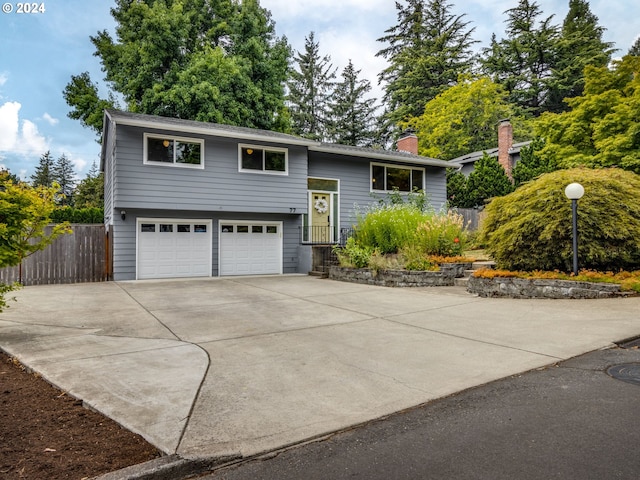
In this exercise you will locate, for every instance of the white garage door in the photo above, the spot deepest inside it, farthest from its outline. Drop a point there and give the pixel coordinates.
(174, 248)
(250, 248)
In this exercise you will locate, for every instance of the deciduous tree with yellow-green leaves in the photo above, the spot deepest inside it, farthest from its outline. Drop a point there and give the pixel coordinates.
(602, 128)
(25, 211)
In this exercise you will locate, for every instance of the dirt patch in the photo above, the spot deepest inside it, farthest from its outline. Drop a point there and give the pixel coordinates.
(45, 433)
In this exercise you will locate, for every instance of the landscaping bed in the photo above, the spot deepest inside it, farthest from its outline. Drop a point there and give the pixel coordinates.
(45, 433)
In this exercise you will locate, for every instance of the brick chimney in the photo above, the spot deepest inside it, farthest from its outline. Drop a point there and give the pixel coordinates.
(505, 142)
(408, 142)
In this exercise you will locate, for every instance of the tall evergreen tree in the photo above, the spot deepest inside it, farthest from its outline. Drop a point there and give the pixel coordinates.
(428, 49)
(487, 180)
(65, 176)
(580, 44)
(311, 87)
(44, 174)
(90, 190)
(352, 114)
(523, 61)
(197, 59)
(635, 48)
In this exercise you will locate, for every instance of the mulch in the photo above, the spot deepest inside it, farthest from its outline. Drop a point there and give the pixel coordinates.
(45, 433)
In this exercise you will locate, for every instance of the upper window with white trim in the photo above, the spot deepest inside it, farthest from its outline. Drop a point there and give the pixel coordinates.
(174, 151)
(260, 159)
(387, 178)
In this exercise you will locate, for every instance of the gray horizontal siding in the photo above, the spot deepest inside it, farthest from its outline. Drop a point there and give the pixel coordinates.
(355, 188)
(217, 187)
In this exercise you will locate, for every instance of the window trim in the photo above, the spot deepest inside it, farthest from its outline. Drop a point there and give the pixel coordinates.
(173, 138)
(265, 148)
(391, 165)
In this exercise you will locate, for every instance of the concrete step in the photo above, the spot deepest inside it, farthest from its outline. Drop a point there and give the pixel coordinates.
(485, 264)
(316, 273)
(461, 282)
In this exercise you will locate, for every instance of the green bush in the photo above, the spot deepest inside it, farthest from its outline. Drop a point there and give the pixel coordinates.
(78, 215)
(389, 227)
(353, 255)
(531, 228)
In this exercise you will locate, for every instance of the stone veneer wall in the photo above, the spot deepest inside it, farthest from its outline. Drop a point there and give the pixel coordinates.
(400, 278)
(532, 288)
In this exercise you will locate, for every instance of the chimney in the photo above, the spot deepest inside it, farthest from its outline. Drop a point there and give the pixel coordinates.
(505, 142)
(408, 142)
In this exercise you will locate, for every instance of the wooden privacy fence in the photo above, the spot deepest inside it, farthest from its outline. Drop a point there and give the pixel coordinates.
(472, 217)
(81, 256)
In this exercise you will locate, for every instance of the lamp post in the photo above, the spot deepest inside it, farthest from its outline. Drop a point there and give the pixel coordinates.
(574, 192)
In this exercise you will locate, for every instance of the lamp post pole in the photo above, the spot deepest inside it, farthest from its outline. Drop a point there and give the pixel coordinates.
(574, 207)
(574, 192)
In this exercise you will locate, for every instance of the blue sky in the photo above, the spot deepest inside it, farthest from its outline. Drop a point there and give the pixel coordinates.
(40, 52)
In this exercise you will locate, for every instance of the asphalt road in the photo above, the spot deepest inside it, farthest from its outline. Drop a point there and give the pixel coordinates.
(569, 421)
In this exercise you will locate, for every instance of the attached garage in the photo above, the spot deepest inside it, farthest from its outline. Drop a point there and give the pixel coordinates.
(173, 248)
(250, 248)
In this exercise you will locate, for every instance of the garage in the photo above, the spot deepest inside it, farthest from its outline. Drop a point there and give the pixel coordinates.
(173, 248)
(250, 248)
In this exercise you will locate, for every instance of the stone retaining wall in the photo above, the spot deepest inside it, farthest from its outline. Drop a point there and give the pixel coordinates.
(400, 278)
(533, 288)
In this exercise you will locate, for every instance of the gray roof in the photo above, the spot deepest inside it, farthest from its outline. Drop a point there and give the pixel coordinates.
(492, 152)
(378, 154)
(203, 128)
(191, 126)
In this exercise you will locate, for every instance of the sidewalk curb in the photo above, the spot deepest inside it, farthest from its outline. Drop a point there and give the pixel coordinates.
(170, 467)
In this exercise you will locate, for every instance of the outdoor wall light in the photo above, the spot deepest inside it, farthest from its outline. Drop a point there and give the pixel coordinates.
(123, 215)
(574, 192)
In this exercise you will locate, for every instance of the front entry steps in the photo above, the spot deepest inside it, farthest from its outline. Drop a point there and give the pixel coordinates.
(462, 282)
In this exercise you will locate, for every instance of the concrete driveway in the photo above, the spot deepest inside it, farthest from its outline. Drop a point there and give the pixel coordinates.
(217, 367)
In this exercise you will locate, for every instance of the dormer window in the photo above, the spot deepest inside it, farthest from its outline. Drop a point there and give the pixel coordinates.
(174, 151)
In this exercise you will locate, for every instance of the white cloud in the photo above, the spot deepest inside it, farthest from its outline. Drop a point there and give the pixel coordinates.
(9, 124)
(32, 140)
(13, 139)
(52, 121)
(4, 76)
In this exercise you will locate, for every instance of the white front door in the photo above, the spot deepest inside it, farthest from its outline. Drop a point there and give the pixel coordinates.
(250, 248)
(168, 248)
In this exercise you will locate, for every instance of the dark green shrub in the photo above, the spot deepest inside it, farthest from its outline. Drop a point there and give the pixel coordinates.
(78, 215)
(531, 228)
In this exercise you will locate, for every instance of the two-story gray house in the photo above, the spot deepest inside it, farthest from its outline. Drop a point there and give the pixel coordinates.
(186, 198)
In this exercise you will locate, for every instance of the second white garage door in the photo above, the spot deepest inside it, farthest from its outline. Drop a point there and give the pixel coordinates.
(250, 248)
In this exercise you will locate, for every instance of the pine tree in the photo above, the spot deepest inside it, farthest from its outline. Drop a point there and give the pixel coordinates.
(90, 190)
(487, 180)
(352, 115)
(64, 175)
(310, 91)
(635, 48)
(580, 44)
(44, 175)
(523, 61)
(428, 49)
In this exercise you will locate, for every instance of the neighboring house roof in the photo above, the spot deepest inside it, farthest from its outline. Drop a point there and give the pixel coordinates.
(492, 152)
(215, 129)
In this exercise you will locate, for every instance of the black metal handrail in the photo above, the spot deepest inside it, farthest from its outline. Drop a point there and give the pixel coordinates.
(315, 235)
